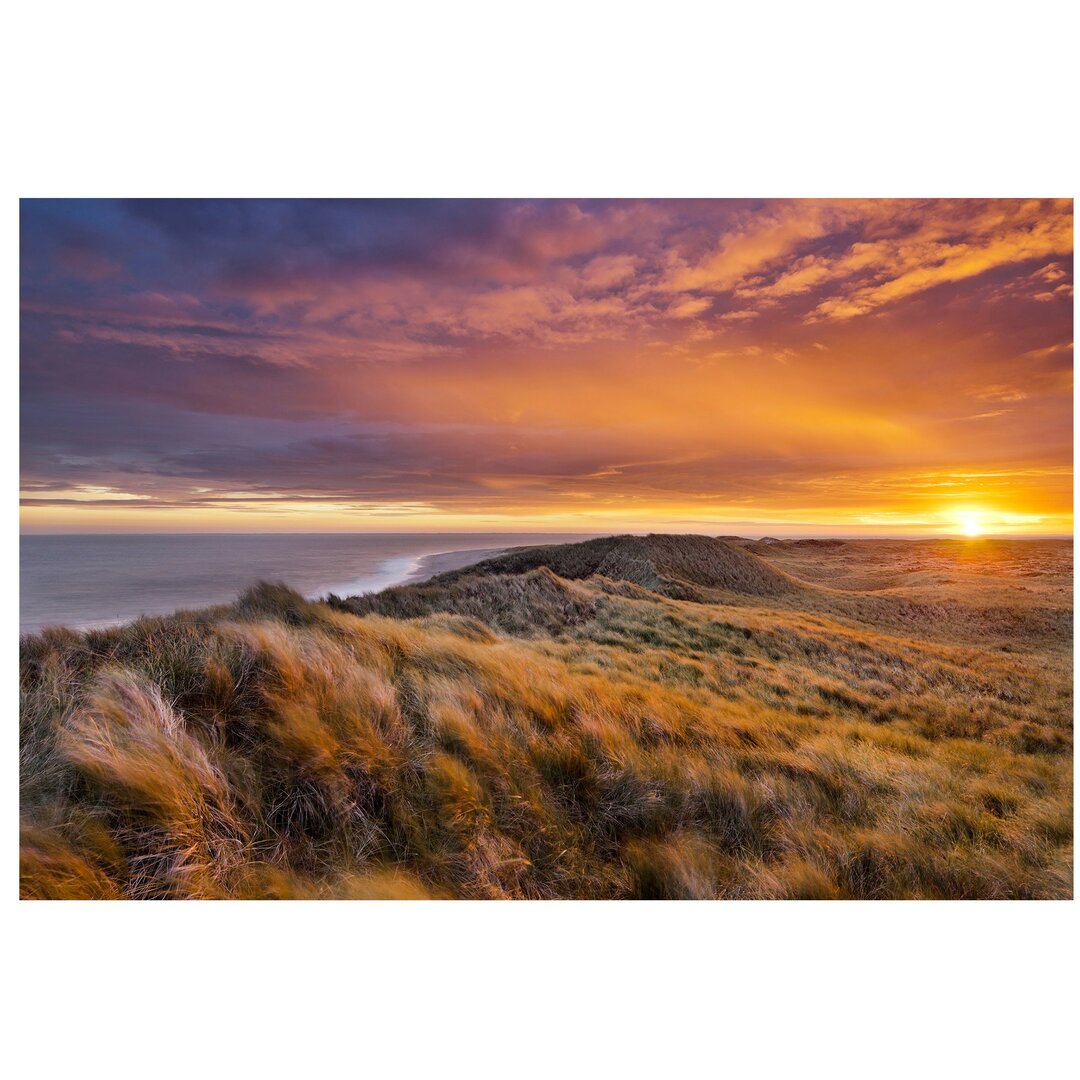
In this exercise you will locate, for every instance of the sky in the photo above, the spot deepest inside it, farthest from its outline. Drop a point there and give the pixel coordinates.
(780, 367)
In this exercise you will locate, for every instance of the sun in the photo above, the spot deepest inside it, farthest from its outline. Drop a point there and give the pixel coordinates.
(970, 523)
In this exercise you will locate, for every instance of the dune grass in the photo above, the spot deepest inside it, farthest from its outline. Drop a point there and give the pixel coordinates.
(518, 735)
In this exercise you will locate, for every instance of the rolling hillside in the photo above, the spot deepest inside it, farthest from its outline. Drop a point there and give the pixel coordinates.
(656, 717)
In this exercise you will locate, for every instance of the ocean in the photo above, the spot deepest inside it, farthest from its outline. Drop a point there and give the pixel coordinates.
(101, 580)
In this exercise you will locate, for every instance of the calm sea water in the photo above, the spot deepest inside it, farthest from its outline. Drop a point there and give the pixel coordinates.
(82, 581)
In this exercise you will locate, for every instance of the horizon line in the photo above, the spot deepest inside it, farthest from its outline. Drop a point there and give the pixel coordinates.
(781, 535)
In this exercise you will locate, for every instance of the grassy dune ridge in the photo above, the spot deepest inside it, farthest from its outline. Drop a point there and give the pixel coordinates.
(659, 717)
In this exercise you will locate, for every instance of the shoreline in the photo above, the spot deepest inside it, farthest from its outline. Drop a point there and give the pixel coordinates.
(442, 562)
(390, 573)
(406, 570)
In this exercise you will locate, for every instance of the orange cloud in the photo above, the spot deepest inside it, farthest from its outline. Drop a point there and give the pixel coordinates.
(761, 240)
(901, 268)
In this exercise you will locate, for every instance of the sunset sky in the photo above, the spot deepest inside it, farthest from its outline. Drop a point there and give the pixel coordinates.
(760, 367)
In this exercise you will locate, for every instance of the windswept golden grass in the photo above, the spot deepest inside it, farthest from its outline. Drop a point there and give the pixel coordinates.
(521, 735)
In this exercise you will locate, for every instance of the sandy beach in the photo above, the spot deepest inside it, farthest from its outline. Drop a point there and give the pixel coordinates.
(443, 562)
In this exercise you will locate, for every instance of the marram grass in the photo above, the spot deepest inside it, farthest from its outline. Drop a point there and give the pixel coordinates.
(510, 733)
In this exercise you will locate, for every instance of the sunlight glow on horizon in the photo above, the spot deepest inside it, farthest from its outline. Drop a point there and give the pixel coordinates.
(256, 516)
(971, 523)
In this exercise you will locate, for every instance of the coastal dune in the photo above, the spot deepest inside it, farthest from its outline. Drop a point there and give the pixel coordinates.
(675, 566)
(659, 717)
